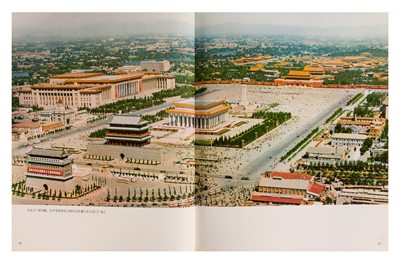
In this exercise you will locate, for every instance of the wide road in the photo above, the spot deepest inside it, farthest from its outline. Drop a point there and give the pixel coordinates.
(271, 157)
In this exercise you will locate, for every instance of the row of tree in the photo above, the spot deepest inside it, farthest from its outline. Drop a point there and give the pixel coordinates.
(100, 133)
(160, 115)
(300, 144)
(271, 120)
(157, 98)
(345, 166)
(336, 113)
(355, 98)
(145, 196)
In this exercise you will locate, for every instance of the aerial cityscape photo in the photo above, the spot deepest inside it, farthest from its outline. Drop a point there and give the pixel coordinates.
(209, 109)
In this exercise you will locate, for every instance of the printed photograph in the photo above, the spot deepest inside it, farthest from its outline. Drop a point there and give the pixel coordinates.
(172, 110)
(92, 115)
(297, 108)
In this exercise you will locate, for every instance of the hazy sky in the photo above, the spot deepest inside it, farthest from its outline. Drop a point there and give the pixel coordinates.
(294, 19)
(53, 20)
(116, 24)
(70, 24)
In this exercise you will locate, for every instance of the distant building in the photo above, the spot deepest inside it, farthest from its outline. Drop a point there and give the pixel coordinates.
(325, 154)
(65, 78)
(18, 134)
(90, 89)
(287, 175)
(315, 190)
(31, 128)
(203, 114)
(75, 71)
(155, 65)
(156, 80)
(257, 67)
(49, 126)
(283, 186)
(127, 138)
(49, 169)
(349, 140)
(250, 60)
(129, 68)
(314, 70)
(363, 196)
(128, 130)
(298, 78)
(25, 96)
(60, 113)
(286, 188)
(374, 125)
(283, 64)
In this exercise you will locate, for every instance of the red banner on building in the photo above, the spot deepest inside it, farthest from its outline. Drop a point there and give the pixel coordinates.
(45, 171)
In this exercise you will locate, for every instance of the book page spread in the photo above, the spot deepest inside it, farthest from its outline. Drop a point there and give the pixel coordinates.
(206, 131)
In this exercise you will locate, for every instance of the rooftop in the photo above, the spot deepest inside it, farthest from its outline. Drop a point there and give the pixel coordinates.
(349, 136)
(313, 69)
(210, 112)
(96, 89)
(157, 77)
(298, 74)
(106, 79)
(27, 125)
(282, 200)
(58, 153)
(62, 87)
(326, 150)
(25, 90)
(316, 189)
(287, 175)
(198, 104)
(75, 75)
(154, 61)
(284, 183)
(126, 119)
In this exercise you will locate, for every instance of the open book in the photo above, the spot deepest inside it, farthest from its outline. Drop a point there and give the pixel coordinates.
(199, 132)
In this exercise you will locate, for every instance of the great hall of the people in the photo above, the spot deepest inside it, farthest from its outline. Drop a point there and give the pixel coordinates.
(92, 89)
